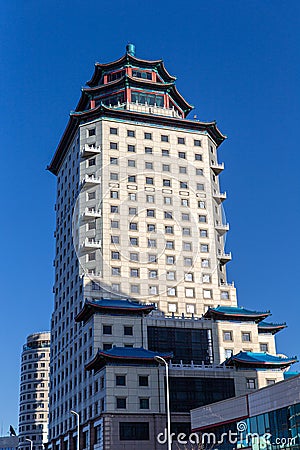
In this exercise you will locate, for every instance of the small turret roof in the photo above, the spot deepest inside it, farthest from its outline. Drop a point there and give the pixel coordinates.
(259, 360)
(270, 327)
(235, 313)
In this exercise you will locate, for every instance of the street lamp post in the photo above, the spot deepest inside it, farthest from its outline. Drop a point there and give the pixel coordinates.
(31, 443)
(162, 361)
(78, 427)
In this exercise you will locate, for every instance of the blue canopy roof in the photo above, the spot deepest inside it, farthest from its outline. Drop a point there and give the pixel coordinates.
(269, 327)
(127, 355)
(259, 360)
(235, 313)
(112, 306)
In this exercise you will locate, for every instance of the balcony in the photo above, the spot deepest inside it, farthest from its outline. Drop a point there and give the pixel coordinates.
(219, 197)
(222, 228)
(91, 213)
(89, 181)
(224, 258)
(89, 244)
(216, 167)
(89, 150)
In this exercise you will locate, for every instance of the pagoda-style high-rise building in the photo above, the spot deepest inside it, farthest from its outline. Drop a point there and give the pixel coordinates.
(140, 268)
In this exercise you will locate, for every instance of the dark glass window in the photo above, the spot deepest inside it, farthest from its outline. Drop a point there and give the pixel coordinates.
(120, 380)
(107, 329)
(115, 76)
(121, 402)
(150, 99)
(128, 330)
(134, 431)
(143, 380)
(130, 133)
(186, 344)
(188, 393)
(144, 403)
(140, 74)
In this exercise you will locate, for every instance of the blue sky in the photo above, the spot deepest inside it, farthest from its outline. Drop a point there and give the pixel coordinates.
(236, 61)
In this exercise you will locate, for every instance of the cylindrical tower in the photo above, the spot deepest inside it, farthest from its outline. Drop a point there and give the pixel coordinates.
(34, 392)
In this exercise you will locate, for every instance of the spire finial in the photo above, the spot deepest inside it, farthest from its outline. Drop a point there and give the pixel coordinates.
(130, 49)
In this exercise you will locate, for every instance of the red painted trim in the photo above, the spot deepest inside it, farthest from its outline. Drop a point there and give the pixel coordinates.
(127, 95)
(105, 79)
(93, 104)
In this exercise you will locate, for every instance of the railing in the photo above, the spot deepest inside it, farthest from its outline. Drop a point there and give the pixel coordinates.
(90, 179)
(192, 366)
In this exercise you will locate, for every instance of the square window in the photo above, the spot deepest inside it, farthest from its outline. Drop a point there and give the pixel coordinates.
(164, 138)
(131, 179)
(132, 211)
(168, 200)
(152, 243)
(114, 176)
(270, 382)
(264, 347)
(113, 145)
(92, 256)
(246, 337)
(188, 262)
(151, 227)
(188, 277)
(128, 330)
(186, 231)
(114, 161)
(172, 307)
(148, 135)
(135, 288)
(199, 172)
(114, 209)
(168, 214)
(170, 259)
(116, 271)
(153, 290)
(187, 246)
(202, 218)
(131, 163)
(121, 402)
(134, 256)
(132, 197)
(148, 150)
(149, 180)
(203, 233)
(185, 216)
(166, 167)
(171, 275)
(182, 169)
(185, 202)
(152, 258)
(114, 224)
(170, 245)
(152, 273)
(189, 292)
(228, 353)
(113, 130)
(150, 213)
(183, 185)
(92, 162)
(130, 133)
(227, 336)
(91, 132)
(107, 329)
(135, 273)
(165, 152)
(198, 157)
(207, 293)
(197, 143)
(134, 241)
(133, 226)
(182, 155)
(204, 248)
(115, 255)
(150, 198)
(190, 309)
(205, 263)
(143, 380)
(144, 403)
(120, 380)
(200, 187)
(181, 140)
(148, 165)
(91, 195)
(169, 229)
(131, 148)
(167, 183)
(114, 194)
(201, 204)
(92, 225)
(115, 239)
(250, 383)
(224, 295)
(206, 278)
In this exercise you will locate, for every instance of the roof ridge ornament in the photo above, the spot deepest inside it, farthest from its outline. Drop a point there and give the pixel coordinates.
(130, 49)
